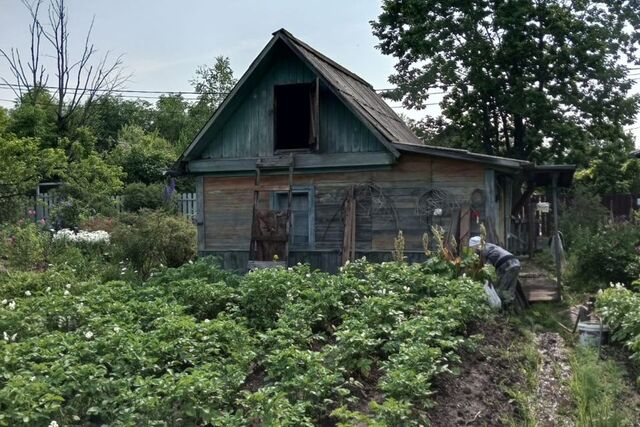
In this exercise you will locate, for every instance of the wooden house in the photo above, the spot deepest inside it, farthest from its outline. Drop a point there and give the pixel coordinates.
(304, 162)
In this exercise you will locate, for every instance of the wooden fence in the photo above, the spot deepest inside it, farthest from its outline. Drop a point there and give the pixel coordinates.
(41, 206)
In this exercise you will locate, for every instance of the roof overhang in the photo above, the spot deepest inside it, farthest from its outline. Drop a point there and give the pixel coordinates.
(497, 162)
(543, 175)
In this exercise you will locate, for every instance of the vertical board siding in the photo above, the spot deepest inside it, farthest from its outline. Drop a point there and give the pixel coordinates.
(249, 130)
(228, 203)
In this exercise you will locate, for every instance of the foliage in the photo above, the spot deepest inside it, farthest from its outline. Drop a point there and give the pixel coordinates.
(150, 239)
(23, 164)
(111, 114)
(212, 83)
(198, 345)
(138, 196)
(597, 386)
(143, 157)
(582, 216)
(529, 79)
(603, 256)
(24, 245)
(620, 309)
(34, 117)
(171, 117)
(612, 171)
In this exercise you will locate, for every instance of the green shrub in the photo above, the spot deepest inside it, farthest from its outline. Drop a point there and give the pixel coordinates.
(603, 257)
(620, 309)
(151, 239)
(584, 215)
(138, 196)
(24, 245)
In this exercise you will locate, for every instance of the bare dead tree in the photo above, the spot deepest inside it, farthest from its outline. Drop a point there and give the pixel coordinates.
(35, 76)
(78, 82)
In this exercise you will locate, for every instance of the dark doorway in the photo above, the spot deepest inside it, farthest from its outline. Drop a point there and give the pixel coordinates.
(294, 116)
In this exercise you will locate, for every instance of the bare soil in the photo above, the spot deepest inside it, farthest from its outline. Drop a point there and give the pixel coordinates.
(477, 396)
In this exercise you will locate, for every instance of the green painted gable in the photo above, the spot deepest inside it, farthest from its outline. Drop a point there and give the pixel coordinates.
(247, 130)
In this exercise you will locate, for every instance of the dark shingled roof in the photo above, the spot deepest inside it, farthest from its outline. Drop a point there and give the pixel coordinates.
(359, 94)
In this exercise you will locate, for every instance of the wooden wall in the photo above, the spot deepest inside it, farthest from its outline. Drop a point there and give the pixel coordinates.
(386, 203)
(248, 132)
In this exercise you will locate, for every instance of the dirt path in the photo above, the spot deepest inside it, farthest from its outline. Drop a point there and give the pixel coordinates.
(552, 400)
(478, 396)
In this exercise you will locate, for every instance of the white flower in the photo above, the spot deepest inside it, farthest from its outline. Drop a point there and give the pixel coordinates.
(48, 289)
(124, 268)
(68, 286)
(190, 262)
(6, 336)
(27, 293)
(67, 293)
(88, 335)
(207, 320)
(53, 424)
(12, 305)
(4, 301)
(116, 329)
(32, 379)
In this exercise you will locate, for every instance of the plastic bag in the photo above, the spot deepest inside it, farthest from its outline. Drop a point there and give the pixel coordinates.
(492, 296)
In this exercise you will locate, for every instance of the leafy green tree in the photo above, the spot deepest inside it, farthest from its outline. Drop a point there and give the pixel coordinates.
(171, 117)
(4, 120)
(611, 171)
(34, 116)
(525, 78)
(89, 180)
(213, 84)
(110, 114)
(23, 164)
(144, 157)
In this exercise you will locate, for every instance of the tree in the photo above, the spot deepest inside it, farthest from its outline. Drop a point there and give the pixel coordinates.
(213, 84)
(23, 164)
(527, 78)
(171, 117)
(78, 82)
(34, 116)
(110, 114)
(611, 171)
(142, 156)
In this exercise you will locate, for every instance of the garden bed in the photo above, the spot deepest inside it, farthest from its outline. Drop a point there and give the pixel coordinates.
(197, 345)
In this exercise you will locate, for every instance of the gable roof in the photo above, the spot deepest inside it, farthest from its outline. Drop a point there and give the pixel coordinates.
(358, 96)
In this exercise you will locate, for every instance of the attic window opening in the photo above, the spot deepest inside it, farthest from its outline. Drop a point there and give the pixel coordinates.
(296, 116)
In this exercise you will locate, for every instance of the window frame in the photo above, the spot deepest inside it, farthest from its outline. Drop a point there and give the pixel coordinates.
(314, 119)
(311, 213)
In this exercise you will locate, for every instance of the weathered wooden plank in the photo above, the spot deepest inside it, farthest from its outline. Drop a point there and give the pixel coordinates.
(302, 161)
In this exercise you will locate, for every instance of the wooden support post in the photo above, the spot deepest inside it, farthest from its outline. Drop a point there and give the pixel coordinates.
(200, 219)
(531, 225)
(556, 235)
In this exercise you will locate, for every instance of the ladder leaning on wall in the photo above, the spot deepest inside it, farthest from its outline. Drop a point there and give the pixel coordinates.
(270, 228)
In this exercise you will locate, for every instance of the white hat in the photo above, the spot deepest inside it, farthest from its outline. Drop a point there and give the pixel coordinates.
(475, 241)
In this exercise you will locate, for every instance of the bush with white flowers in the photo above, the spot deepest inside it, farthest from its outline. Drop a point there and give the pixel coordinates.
(82, 236)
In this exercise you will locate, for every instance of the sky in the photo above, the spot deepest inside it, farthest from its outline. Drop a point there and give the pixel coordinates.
(164, 41)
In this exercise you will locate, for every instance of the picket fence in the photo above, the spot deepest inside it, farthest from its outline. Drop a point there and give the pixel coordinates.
(42, 205)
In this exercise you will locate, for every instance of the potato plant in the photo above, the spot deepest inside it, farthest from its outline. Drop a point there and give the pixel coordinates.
(196, 345)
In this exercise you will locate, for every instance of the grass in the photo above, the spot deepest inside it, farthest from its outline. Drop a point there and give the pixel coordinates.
(525, 355)
(598, 388)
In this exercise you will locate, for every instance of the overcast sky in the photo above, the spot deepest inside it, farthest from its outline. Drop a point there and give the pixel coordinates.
(165, 40)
